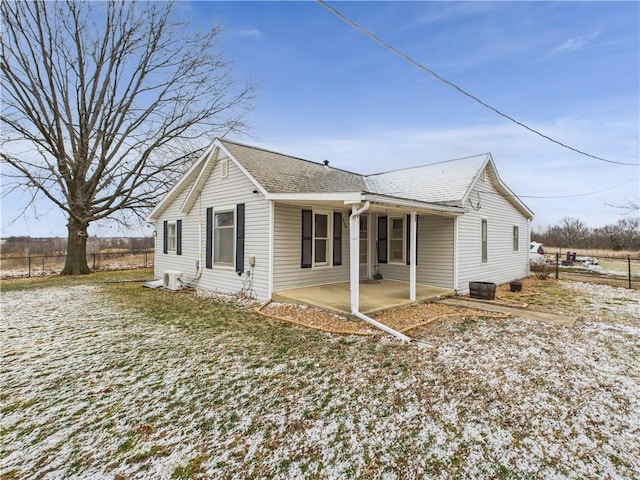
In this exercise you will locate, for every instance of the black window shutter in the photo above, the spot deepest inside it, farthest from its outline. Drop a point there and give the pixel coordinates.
(165, 243)
(307, 238)
(178, 237)
(209, 243)
(408, 240)
(337, 238)
(382, 239)
(240, 238)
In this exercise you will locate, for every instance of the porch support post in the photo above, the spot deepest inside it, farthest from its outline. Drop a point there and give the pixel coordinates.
(455, 254)
(354, 256)
(413, 257)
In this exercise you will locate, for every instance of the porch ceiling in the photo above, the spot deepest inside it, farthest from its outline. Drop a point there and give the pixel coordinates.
(374, 297)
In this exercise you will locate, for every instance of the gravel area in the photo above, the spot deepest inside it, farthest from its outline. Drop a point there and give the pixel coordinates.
(402, 319)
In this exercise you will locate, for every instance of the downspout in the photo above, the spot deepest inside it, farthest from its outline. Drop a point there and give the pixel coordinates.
(354, 274)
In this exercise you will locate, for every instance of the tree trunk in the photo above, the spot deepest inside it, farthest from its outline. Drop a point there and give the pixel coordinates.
(76, 261)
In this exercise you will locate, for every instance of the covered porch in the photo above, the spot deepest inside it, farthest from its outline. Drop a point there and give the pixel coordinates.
(375, 296)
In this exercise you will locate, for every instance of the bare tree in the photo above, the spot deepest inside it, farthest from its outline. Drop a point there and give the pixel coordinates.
(631, 206)
(102, 100)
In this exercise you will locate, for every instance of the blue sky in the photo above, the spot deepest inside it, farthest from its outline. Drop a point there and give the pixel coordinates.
(326, 91)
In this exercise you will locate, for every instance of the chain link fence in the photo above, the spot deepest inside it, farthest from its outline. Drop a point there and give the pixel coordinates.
(618, 271)
(31, 266)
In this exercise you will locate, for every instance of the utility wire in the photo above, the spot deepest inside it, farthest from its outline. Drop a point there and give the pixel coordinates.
(563, 196)
(406, 57)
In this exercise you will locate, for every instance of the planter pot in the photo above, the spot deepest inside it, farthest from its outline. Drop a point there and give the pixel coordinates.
(515, 286)
(482, 290)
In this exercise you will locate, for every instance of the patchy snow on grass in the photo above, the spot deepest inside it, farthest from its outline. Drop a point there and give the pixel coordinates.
(606, 302)
(95, 390)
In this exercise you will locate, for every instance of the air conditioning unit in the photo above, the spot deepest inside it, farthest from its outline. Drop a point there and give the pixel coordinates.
(172, 280)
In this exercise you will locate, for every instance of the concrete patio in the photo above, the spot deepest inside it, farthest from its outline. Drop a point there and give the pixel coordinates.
(375, 296)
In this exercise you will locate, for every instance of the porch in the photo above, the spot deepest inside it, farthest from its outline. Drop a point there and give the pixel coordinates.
(375, 296)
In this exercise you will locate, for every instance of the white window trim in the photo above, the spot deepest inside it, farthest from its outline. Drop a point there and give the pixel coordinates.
(172, 225)
(484, 261)
(223, 266)
(360, 252)
(329, 262)
(390, 239)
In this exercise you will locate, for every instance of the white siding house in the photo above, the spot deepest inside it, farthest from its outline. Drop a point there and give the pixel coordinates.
(244, 213)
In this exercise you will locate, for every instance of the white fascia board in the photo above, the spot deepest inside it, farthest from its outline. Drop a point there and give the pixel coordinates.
(413, 204)
(501, 187)
(476, 178)
(198, 185)
(346, 197)
(257, 184)
(181, 184)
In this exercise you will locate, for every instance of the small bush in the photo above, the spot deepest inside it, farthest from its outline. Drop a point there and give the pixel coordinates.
(542, 271)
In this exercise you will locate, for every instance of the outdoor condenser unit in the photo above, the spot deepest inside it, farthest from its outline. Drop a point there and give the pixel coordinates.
(171, 280)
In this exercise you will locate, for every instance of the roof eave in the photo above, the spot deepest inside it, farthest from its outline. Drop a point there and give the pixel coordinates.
(412, 204)
(316, 196)
(184, 181)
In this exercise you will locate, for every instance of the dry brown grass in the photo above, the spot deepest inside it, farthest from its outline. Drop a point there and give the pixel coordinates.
(594, 252)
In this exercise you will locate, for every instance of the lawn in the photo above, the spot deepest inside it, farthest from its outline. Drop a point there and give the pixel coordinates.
(104, 379)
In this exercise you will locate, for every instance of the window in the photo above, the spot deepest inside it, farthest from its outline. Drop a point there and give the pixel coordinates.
(223, 241)
(516, 238)
(364, 257)
(171, 236)
(396, 240)
(320, 239)
(484, 237)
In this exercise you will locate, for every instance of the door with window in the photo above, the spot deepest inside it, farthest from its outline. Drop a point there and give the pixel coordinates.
(364, 247)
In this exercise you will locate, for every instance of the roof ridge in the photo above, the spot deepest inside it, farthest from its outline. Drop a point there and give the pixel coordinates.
(289, 156)
(486, 154)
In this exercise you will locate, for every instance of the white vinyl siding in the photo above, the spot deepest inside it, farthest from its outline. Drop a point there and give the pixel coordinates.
(435, 254)
(220, 194)
(504, 263)
(287, 252)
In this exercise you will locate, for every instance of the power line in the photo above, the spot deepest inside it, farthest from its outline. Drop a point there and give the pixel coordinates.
(563, 196)
(409, 59)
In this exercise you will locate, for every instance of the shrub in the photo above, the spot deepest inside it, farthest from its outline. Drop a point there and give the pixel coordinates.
(542, 271)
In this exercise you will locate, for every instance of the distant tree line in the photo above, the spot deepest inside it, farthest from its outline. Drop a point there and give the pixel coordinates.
(58, 245)
(574, 233)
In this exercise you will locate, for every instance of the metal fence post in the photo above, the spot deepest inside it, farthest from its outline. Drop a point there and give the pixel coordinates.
(557, 265)
(29, 265)
(629, 268)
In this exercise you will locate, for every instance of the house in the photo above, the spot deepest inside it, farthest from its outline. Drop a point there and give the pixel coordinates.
(242, 211)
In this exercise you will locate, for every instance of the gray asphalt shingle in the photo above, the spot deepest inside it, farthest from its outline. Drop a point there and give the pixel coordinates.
(443, 182)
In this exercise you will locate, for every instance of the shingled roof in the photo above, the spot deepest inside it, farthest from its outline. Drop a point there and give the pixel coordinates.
(279, 173)
(443, 182)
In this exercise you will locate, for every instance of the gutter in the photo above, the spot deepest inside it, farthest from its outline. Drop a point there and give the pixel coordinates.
(354, 275)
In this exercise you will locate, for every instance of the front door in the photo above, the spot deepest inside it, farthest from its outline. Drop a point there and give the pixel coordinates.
(364, 247)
